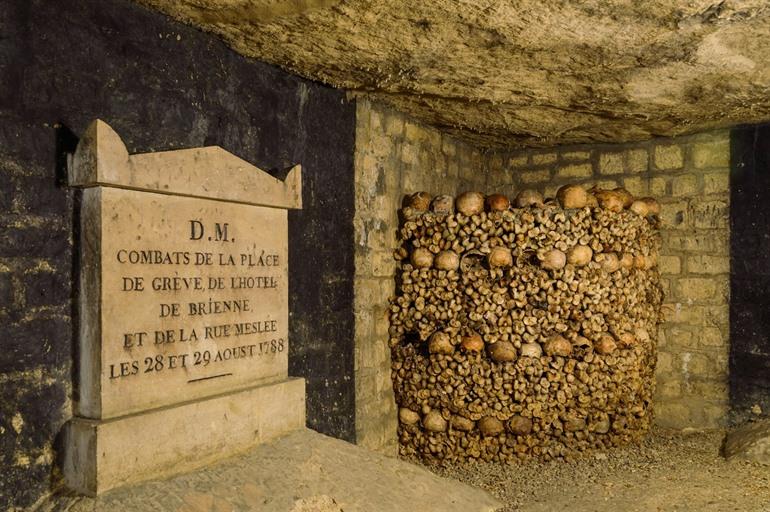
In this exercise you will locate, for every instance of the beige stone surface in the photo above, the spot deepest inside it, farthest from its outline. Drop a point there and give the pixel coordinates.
(303, 471)
(101, 158)
(387, 168)
(190, 299)
(575, 171)
(112, 453)
(527, 177)
(611, 163)
(749, 442)
(526, 73)
(638, 160)
(668, 157)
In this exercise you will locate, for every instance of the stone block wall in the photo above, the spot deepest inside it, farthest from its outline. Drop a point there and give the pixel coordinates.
(36, 319)
(394, 156)
(690, 177)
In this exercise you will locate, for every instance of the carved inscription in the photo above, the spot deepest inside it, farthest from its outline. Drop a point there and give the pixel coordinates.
(710, 214)
(194, 297)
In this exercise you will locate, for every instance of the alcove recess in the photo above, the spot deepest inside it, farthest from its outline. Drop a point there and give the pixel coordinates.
(527, 329)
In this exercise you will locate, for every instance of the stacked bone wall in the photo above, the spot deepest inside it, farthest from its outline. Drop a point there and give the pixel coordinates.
(393, 154)
(396, 156)
(524, 333)
(690, 177)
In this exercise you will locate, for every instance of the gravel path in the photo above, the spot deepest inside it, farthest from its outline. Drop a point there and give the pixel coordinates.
(670, 471)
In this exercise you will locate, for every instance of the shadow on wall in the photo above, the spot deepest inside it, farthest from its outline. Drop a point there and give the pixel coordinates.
(750, 272)
(66, 142)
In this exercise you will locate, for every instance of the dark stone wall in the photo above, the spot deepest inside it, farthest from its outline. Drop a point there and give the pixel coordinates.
(750, 274)
(160, 85)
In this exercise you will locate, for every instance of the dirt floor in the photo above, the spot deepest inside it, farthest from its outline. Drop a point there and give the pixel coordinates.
(301, 472)
(308, 472)
(670, 471)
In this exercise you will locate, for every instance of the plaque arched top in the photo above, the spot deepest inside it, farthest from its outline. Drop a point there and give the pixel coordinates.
(101, 159)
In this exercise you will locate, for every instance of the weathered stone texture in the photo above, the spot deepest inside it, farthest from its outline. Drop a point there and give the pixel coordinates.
(690, 177)
(749, 442)
(35, 272)
(528, 73)
(395, 156)
(292, 474)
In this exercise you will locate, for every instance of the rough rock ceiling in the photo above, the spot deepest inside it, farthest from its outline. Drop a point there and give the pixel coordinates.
(520, 72)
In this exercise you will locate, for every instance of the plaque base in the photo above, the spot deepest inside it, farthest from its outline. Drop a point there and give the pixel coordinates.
(102, 455)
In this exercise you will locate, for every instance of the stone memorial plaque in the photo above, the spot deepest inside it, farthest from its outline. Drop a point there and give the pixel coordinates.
(190, 296)
(183, 311)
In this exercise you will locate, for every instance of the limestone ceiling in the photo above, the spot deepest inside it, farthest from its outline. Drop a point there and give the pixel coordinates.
(520, 72)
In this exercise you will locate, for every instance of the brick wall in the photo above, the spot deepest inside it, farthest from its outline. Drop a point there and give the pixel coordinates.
(690, 177)
(394, 156)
